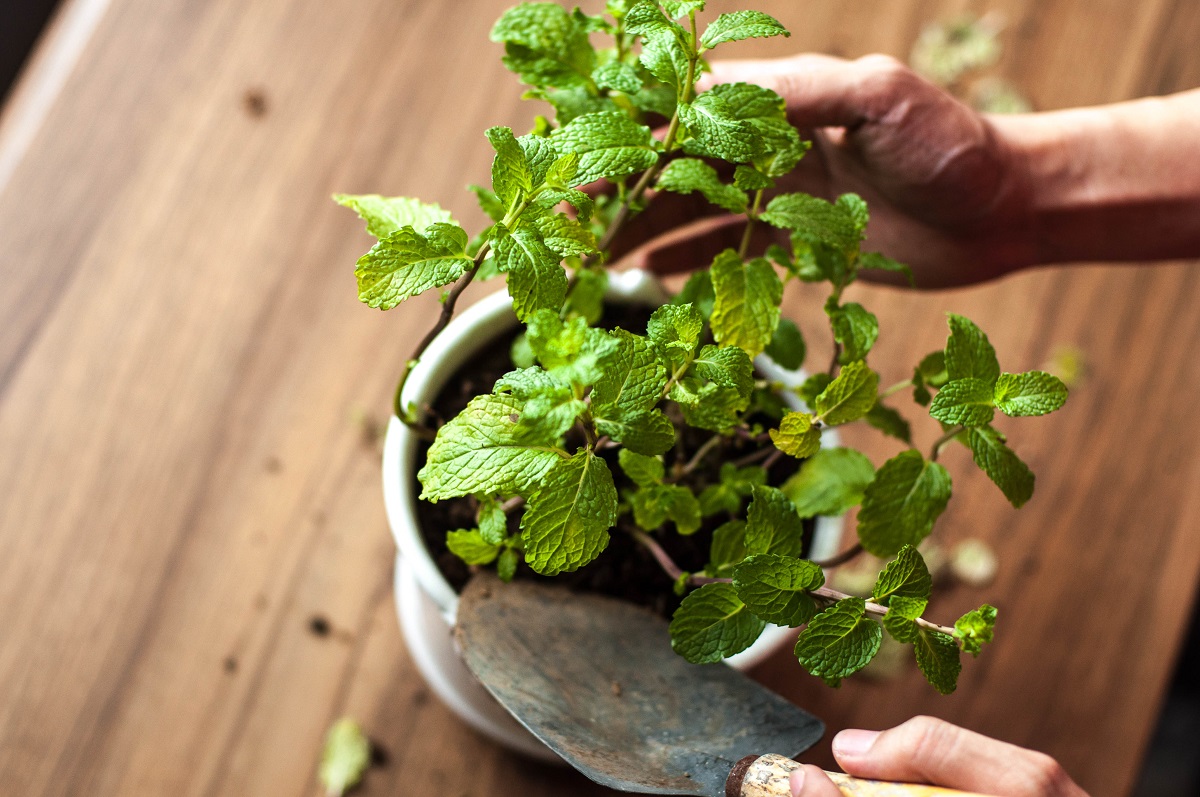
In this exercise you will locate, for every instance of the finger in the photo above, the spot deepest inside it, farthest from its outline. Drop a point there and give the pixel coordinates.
(696, 245)
(823, 91)
(928, 750)
(810, 781)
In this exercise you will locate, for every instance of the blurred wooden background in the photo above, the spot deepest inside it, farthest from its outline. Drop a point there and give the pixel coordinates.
(187, 480)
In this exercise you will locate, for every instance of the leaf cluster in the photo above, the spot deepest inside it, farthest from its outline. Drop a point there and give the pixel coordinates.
(585, 436)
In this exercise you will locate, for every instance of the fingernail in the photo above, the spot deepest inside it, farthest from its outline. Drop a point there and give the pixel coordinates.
(854, 742)
(797, 782)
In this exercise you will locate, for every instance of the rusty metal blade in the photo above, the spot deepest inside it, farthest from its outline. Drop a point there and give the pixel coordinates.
(596, 680)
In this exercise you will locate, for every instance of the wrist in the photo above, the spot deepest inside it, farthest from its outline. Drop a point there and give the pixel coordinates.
(1102, 184)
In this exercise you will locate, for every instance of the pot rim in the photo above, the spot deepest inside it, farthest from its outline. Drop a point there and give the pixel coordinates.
(481, 322)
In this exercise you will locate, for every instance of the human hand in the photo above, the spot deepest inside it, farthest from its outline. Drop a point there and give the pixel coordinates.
(944, 191)
(928, 750)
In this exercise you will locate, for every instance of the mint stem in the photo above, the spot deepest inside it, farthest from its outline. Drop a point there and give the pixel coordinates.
(840, 559)
(938, 444)
(675, 572)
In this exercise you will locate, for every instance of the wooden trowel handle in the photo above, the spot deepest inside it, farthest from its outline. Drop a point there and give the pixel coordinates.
(769, 776)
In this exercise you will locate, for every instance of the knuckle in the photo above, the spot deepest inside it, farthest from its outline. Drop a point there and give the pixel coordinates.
(933, 743)
(1048, 775)
(884, 76)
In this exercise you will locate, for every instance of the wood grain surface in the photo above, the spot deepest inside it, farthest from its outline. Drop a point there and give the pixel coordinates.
(186, 482)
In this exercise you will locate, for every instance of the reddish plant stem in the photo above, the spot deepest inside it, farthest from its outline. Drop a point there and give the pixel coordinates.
(841, 558)
(675, 572)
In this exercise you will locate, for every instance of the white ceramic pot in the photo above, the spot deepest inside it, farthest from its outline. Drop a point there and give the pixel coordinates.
(425, 601)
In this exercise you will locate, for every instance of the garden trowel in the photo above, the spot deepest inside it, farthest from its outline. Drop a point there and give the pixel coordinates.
(596, 680)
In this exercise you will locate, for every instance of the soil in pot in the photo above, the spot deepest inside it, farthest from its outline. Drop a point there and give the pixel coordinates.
(625, 569)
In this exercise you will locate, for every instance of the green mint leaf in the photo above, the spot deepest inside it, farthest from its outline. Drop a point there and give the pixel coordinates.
(565, 236)
(489, 203)
(617, 76)
(675, 328)
(776, 588)
(608, 145)
(570, 350)
(551, 407)
(346, 757)
(719, 133)
(540, 155)
(470, 546)
(878, 262)
(749, 178)
(906, 576)
(937, 658)
(839, 641)
(830, 482)
(644, 432)
(728, 366)
(854, 205)
(698, 292)
(772, 524)
(781, 161)
(712, 407)
(728, 546)
(796, 435)
(484, 449)
(713, 623)
(663, 56)
(1001, 464)
(545, 45)
(856, 329)
(655, 504)
(787, 347)
(681, 8)
(586, 299)
(386, 214)
(656, 99)
(814, 220)
(766, 112)
(976, 628)
(739, 25)
(506, 565)
(1030, 393)
(812, 387)
(969, 355)
(890, 422)
(633, 376)
(521, 353)
(567, 520)
(734, 485)
(582, 203)
(899, 621)
(647, 19)
(561, 173)
(685, 175)
(850, 396)
(571, 103)
(511, 177)
(900, 506)
(536, 279)
(641, 469)
(746, 307)
(493, 523)
(966, 401)
(407, 262)
(930, 372)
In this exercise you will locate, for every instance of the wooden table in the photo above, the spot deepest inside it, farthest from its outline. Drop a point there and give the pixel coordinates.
(184, 485)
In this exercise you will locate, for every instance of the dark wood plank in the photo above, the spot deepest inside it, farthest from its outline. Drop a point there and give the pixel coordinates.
(182, 356)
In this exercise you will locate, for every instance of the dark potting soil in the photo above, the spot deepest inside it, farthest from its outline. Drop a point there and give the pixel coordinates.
(624, 569)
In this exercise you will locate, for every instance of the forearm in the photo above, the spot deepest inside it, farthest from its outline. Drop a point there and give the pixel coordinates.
(1116, 182)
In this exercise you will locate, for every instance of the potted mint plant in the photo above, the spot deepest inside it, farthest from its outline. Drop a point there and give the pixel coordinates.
(586, 426)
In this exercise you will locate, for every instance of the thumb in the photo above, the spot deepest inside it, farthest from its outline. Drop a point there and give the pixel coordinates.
(928, 750)
(810, 781)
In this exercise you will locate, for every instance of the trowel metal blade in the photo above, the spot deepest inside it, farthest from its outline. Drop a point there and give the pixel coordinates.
(596, 680)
